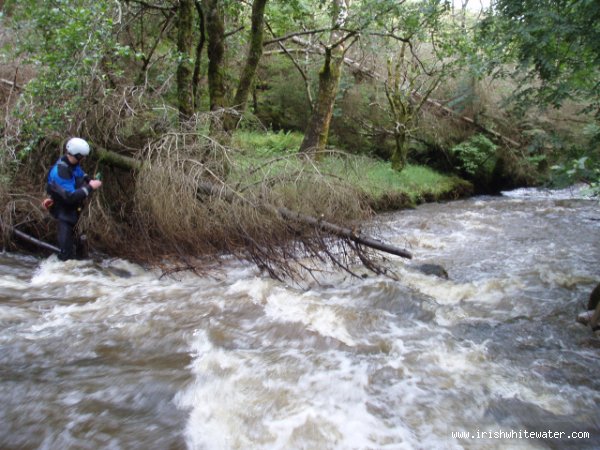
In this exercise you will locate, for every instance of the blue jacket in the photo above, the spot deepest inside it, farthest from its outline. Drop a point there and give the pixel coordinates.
(68, 186)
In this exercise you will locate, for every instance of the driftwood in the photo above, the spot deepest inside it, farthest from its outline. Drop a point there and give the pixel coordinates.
(228, 194)
(81, 244)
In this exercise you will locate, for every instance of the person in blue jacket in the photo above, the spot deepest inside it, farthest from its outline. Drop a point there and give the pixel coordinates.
(69, 186)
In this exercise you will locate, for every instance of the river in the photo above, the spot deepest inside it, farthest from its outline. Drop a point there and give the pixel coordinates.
(107, 355)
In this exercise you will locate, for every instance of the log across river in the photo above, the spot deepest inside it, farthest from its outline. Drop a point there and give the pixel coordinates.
(108, 355)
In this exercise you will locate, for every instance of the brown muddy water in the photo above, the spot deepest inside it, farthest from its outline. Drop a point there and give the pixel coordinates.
(107, 355)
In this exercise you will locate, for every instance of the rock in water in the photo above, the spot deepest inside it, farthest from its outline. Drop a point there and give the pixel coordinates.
(433, 269)
(591, 317)
(594, 298)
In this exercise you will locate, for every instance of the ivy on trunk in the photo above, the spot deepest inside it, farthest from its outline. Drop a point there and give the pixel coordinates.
(317, 132)
(185, 36)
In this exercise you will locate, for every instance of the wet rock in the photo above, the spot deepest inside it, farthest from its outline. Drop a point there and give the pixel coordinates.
(595, 320)
(433, 269)
(585, 317)
(591, 317)
(594, 298)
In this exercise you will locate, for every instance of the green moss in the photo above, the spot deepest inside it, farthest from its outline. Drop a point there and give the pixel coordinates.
(386, 189)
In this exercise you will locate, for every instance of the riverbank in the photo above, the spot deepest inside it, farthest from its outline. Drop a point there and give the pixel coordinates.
(153, 208)
(384, 188)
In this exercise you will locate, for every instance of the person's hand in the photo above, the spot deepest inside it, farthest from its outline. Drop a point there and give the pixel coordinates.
(95, 184)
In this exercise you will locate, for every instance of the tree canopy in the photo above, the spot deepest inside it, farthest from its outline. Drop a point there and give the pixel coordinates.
(554, 41)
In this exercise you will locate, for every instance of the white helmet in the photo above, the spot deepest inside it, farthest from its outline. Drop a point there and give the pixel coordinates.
(77, 146)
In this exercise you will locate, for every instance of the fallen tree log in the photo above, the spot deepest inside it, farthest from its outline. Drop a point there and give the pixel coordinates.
(344, 232)
(358, 67)
(12, 84)
(228, 194)
(117, 160)
(34, 241)
(323, 225)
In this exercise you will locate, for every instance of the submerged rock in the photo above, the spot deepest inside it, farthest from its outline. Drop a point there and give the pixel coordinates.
(433, 269)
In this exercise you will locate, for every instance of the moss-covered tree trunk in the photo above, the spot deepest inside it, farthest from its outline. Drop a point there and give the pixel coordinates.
(215, 28)
(185, 36)
(403, 78)
(254, 54)
(199, 48)
(400, 156)
(317, 131)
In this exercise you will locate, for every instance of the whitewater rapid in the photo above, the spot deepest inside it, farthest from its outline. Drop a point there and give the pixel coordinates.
(106, 354)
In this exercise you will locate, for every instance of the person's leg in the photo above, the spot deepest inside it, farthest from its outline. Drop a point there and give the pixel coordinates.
(81, 247)
(65, 240)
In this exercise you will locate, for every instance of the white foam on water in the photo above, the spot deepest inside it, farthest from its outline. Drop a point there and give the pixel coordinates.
(449, 292)
(278, 398)
(52, 272)
(15, 314)
(561, 278)
(256, 288)
(578, 191)
(335, 412)
(283, 399)
(439, 385)
(423, 242)
(12, 282)
(284, 306)
(218, 398)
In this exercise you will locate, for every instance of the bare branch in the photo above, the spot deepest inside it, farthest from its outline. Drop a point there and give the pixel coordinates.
(297, 65)
(237, 30)
(150, 6)
(148, 57)
(292, 35)
(11, 84)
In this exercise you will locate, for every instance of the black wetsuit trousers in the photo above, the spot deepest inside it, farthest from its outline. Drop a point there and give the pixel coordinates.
(66, 240)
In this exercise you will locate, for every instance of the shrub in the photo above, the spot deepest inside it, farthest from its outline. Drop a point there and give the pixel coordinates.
(475, 156)
(269, 143)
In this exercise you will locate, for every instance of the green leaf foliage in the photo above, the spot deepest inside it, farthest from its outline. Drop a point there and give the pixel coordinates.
(555, 41)
(69, 43)
(475, 155)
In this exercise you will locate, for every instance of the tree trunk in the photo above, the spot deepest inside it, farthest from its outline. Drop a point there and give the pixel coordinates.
(402, 109)
(185, 33)
(254, 54)
(400, 155)
(317, 131)
(215, 28)
(199, 47)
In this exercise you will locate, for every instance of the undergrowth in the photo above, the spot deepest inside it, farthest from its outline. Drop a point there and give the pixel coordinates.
(273, 154)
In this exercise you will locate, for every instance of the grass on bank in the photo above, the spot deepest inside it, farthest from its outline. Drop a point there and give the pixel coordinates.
(270, 154)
